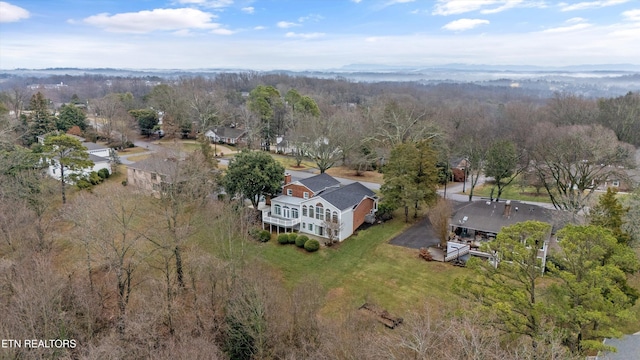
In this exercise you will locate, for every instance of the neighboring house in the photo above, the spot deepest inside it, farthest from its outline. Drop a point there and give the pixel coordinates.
(228, 135)
(320, 206)
(284, 145)
(481, 221)
(152, 174)
(99, 154)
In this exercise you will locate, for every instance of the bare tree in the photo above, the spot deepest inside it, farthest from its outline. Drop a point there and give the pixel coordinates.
(439, 215)
(189, 180)
(111, 230)
(573, 161)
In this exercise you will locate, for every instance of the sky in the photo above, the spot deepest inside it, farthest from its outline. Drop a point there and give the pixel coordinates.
(315, 34)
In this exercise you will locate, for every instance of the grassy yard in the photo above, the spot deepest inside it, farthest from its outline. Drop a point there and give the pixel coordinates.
(513, 192)
(365, 268)
(136, 158)
(345, 172)
(289, 162)
(133, 150)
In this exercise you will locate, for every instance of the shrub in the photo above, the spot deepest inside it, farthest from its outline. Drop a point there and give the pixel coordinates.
(83, 184)
(292, 238)
(300, 240)
(255, 233)
(312, 245)
(264, 236)
(385, 211)
(283, 239)
(103, 173)
(94, 178)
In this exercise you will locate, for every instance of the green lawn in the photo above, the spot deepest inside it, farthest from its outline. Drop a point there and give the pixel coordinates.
(365, 268)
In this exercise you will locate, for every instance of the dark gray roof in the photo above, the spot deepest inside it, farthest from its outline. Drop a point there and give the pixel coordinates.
(628, 348)
(319, 182)
(490, 216)
(97, 159)
(347, 196)
(94, 146)
(158, 165)
(229, 132)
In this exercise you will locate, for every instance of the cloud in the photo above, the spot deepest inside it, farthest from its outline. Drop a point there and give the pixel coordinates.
(286, 24)
(576, 20)
(453, 7)
(216, 4)
(310, 17)
(259, 27)
(12, 13)
(570, 28)
(393, 2)
(248, 9)
(465, 24)
(590, 4)
(153, 20)
(633, 15)
(222, 31)
(356, 1)
(314, 35)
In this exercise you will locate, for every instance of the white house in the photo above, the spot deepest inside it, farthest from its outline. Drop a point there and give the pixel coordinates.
(99, 154)
(320, 206)
(228, 135)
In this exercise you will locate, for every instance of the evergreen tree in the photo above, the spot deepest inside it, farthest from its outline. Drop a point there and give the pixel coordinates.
(40, 121)
(609, 213)
(70, 116)
(69, 155)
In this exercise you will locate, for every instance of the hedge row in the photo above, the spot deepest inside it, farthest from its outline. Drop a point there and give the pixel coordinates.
(301, 241)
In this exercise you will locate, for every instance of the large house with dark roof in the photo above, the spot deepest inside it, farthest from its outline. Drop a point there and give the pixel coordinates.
(481, 221)
(321, 206)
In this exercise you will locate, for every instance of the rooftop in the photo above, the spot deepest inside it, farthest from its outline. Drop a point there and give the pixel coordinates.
(347, 196)
(319, 182)
(490, 216)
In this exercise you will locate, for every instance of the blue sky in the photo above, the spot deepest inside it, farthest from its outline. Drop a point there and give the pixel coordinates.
(315, 34)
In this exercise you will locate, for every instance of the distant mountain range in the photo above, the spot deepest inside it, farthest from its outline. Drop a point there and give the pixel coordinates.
(586, 80)
(484, 67)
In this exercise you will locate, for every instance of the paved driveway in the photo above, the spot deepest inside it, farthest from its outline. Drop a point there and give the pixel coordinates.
(420, 235)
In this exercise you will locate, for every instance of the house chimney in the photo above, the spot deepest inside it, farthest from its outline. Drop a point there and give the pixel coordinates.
(287, 178)
(507, 208)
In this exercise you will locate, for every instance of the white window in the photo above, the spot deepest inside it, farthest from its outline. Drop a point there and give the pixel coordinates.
(277, 210)
(615, 183)
(335, 217)
(304, 210)
(310, 211)
(294, 213)
(320, 231)
(310, 227)
(304, 225)
(305, 195)
(289, 192)
(285, 212)
(319, 212)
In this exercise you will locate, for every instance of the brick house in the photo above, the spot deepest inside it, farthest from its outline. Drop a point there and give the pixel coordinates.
(321, 206)
(151, 175)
